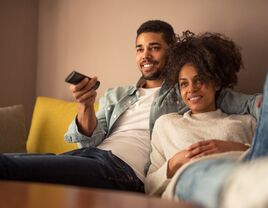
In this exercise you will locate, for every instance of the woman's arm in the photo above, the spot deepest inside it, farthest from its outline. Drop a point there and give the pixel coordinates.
(161, 169)
(213, 146)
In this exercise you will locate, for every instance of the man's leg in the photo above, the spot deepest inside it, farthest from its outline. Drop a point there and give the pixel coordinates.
(259, 146)
(90, 167)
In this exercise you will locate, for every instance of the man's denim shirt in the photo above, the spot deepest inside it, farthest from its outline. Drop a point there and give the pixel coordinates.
(117, 100)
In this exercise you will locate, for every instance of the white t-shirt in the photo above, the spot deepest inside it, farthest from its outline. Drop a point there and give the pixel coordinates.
(130, 140)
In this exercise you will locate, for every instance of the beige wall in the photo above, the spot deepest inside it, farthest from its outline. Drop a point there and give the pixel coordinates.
(18, 47)
(97, 37)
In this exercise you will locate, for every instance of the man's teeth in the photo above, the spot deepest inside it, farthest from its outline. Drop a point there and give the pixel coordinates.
(147, 65)
(194, 98)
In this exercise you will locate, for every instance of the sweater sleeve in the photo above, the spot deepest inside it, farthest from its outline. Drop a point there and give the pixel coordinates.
(156, 180)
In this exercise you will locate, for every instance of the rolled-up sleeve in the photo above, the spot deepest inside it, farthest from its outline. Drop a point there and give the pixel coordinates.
(74, 136)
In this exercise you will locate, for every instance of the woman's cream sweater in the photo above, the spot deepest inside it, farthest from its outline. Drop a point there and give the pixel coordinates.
(173, 133)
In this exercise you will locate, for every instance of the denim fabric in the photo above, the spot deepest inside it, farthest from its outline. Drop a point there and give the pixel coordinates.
(88, 167)
(259, 146)
(201, 182)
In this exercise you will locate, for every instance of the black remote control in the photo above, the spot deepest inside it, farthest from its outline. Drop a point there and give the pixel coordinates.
(76, 77)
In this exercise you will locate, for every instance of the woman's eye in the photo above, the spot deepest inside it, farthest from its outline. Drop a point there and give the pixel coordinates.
(183, 84)
(199, 82)
(155, 48)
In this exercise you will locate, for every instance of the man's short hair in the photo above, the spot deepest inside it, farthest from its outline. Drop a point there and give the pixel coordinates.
(158, 26)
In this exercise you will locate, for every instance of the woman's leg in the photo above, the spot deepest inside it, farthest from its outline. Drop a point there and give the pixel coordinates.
(259, 146)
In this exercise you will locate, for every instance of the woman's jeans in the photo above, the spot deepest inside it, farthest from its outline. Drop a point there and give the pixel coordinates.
(88, 167)
(202, 182)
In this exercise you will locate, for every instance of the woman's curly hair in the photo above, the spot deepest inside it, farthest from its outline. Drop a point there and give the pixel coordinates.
(216, 58)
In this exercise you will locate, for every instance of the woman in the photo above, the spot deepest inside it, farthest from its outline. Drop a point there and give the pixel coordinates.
(202, 65)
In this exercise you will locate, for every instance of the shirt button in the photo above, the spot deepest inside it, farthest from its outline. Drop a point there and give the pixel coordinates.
(114, 116)
(109, 108)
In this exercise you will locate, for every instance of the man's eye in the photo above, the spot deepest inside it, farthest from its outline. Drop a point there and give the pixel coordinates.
(139, 50)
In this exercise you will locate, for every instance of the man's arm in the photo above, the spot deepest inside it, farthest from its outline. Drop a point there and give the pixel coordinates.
(232, 102)
(85, 94)
(86, 128)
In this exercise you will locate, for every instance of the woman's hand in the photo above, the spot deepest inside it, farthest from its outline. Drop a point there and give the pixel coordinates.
(209, 147)
(176, 162)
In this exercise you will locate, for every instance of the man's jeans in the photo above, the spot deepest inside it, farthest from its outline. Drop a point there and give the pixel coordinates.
(202, 182)
(88, 167)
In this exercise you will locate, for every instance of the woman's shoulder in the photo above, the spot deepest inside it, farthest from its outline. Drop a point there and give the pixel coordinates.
(244, 117)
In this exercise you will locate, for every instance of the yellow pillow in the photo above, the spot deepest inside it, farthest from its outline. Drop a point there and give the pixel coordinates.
(51, 118)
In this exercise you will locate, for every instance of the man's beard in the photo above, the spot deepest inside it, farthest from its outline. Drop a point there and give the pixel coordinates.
(153, 76)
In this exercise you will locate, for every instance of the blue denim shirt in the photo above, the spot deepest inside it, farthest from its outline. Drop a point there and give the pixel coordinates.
(117, 100)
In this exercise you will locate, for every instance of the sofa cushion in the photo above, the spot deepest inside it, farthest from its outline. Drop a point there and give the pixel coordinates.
(51, 118)
(12, 129)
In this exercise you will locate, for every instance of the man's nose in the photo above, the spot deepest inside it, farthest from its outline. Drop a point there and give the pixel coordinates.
(146, 54)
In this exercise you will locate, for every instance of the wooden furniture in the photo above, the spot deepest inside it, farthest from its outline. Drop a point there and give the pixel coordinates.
(38, 195)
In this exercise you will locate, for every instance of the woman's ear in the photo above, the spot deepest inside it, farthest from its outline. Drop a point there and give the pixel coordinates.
(217, 87)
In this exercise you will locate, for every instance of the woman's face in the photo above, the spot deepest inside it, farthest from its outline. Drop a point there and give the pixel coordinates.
(196, 94)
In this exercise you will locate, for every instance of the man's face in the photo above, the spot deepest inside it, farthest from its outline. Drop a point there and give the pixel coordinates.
(151, 54)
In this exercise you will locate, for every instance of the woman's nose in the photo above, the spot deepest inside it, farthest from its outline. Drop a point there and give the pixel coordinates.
(192, 87)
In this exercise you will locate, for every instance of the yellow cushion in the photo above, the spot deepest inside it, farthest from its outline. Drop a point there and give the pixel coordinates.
(51, 118)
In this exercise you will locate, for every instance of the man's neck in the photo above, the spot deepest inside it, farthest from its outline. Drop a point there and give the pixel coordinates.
(153, 83)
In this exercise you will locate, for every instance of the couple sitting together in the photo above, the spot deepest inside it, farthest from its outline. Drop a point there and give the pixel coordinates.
(189, 152)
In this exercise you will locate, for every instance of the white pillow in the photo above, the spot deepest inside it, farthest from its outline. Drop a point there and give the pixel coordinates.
(12, 129)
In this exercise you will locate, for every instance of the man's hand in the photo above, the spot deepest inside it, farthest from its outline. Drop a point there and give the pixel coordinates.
(83, 92)
(209, 147)
(176, 162)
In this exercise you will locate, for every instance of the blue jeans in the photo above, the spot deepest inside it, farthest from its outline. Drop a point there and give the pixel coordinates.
(202, 182)
(88, 167)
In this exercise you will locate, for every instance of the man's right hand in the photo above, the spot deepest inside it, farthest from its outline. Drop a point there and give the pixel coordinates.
(85, 94)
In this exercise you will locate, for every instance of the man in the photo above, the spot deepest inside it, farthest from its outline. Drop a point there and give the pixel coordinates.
(122, 123)
(116, 140)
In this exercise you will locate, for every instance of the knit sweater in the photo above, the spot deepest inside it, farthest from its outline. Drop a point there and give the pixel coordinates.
(173, 133)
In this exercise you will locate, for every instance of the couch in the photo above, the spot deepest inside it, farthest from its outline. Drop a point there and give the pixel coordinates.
(50, 120)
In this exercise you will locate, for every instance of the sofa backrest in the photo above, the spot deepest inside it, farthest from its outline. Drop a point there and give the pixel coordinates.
(12, 129)
(50, 120)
